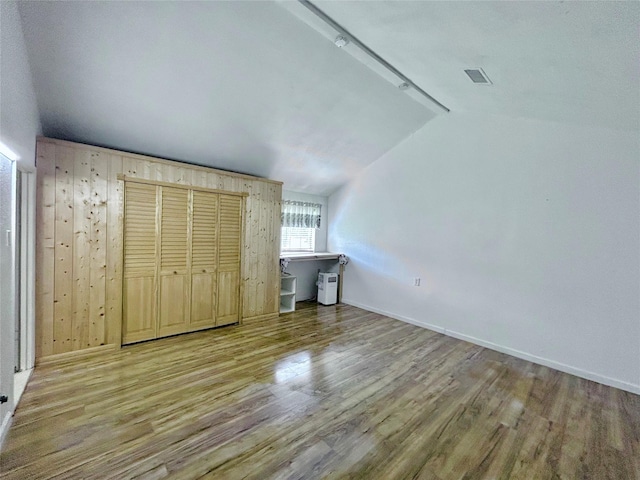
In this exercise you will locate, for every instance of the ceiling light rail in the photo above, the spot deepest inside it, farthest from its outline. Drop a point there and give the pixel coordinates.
(345, 38)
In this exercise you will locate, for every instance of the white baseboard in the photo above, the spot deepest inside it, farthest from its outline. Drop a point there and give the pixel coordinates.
(4, 427)
(612, 382)
(20, 380)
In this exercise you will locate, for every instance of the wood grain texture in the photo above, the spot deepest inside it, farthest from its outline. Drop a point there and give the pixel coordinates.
(175, 260)
(45, 247)
(99, 178)
(170, 236)
(229, 257)
(204, 260)
(195, 185)
(141, 255)
(114, 254)
(81, 248)
(64, 234)
(79, 240)
(324, 392)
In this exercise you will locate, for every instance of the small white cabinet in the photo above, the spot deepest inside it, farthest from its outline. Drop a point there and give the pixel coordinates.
(287, 293)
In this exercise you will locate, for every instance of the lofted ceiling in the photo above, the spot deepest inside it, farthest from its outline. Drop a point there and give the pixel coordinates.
(560, 61)
(251, 87)
(243, 86)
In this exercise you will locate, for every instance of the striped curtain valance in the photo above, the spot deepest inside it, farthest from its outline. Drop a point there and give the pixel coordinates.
(300, 214)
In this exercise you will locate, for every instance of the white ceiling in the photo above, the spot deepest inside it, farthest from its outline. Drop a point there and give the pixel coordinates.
(573, 61)
(249, 87)
(242, 86)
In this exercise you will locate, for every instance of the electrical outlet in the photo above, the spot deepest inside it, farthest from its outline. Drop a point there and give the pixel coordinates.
(416, 282)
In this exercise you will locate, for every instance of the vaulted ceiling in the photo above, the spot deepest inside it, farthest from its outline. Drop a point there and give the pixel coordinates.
(252, 87)
(573, 62)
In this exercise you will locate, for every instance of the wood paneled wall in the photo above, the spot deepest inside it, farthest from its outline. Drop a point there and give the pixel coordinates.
(79, 240)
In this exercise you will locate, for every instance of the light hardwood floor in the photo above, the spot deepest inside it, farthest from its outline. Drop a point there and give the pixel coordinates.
(325, 392)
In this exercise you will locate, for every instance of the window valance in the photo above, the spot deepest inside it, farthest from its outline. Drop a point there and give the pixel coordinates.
(300, 214)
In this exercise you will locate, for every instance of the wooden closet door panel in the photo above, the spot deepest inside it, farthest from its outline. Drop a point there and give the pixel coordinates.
(203, 302)
(230, 227)
(229, 255)
(139, 309)
(204, 251)
(174, 294)
(228, 297)
(140, 253)
(175, 280)
(174, 241)
(205, 230)
(140, 229)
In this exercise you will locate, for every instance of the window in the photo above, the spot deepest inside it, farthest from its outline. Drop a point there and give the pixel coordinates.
(299, 223)
(298, 239)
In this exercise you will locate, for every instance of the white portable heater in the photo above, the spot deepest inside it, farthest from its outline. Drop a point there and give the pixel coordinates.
(328, 288)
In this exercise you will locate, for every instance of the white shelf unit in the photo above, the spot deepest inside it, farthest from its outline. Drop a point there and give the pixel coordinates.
(287, 293)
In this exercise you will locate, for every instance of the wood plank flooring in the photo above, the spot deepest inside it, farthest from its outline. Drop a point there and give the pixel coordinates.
(325, 392)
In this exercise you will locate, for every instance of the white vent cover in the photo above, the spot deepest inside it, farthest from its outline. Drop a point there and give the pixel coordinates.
(478, 76)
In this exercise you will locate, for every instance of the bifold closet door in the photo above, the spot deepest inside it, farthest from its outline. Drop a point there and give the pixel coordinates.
(204, 251)
(175, 280)
(229, 248)
(182, 253)
(140, 252)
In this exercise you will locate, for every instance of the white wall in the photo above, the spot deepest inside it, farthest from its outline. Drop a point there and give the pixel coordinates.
(306, 272)
(19, 117)
(19, 125)
(525, 234)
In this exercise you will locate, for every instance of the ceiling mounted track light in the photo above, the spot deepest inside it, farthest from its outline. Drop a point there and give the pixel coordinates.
(341, 41)
(329, 27)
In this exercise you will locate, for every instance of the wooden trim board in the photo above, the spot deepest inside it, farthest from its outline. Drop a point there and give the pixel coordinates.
(125, 178)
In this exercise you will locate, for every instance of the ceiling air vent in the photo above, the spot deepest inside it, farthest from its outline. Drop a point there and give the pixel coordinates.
(478, 76)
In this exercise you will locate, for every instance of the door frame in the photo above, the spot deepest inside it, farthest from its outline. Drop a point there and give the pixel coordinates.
(25, 291)
(7, 299)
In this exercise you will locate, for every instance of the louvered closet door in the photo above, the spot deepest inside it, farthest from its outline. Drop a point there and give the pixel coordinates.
(140, 283)
(229, 247)
(204, 259)
(174, 268)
